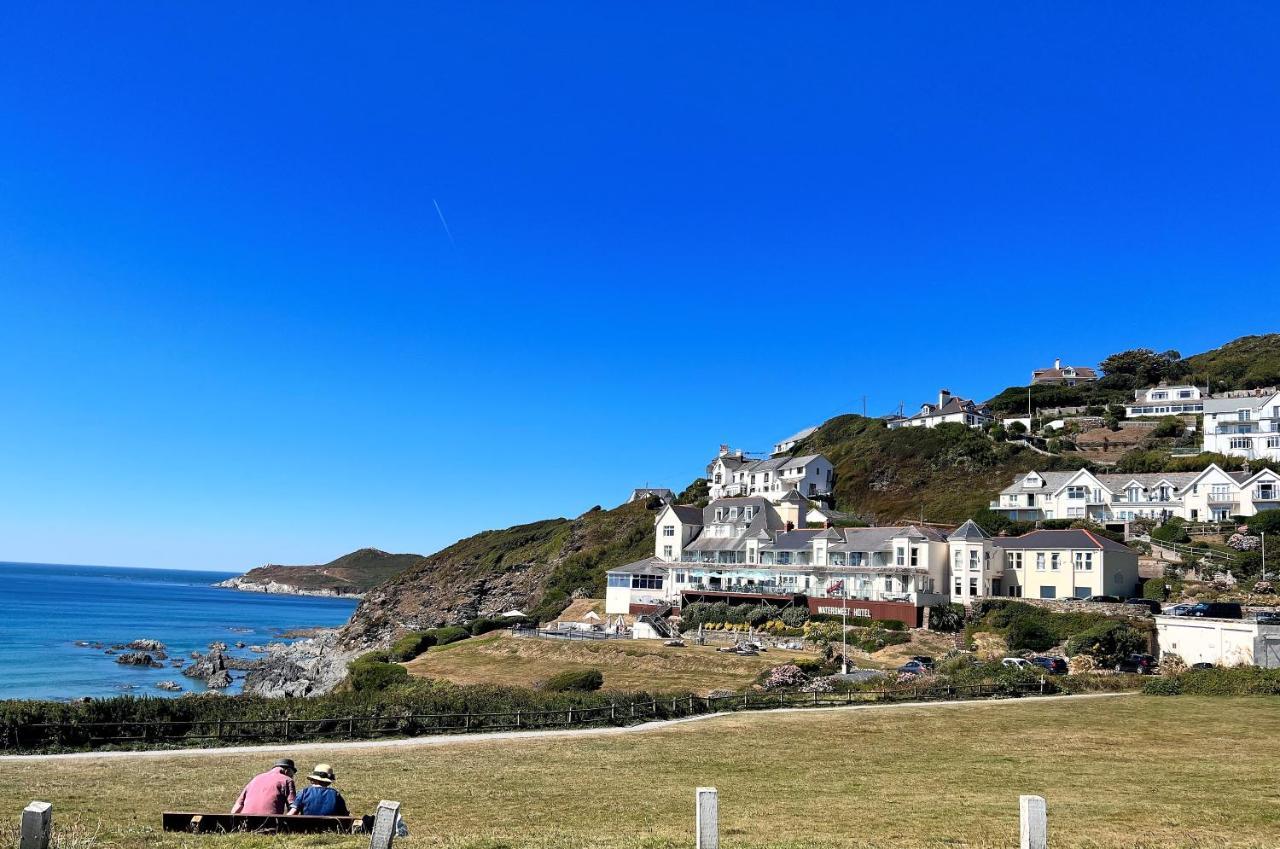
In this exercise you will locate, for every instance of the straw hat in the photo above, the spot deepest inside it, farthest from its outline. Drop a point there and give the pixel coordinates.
(322, 774)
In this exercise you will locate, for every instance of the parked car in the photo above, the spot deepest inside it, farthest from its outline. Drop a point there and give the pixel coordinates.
(1016, 662)
(1143, 664)
(1179, 610)
(1053, 665)
(1201, 665)
(1216, 610)
(1268, 617)
(1107, 599)
(914, 667)
(1149, 603)
(924, 660)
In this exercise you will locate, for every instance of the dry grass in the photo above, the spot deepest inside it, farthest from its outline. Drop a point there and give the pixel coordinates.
(1119, 773)
(626, 664)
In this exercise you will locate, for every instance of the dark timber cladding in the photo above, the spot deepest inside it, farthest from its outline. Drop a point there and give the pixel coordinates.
(856, 608)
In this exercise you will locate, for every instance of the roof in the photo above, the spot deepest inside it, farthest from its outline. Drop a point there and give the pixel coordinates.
(651, 490)
(1053, 481)
(799, 435)
(953, 406)
(1070, 538)
(687, 513)
(647, 566)
(969, 531)
(866, 539)
(1078, 371)
(1230, 405)
(795, 540)
(792, 496)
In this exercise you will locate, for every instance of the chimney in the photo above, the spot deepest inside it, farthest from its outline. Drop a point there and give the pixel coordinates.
(724, 450)
(1245, 468)
(790, 526)
(944, 395)
(1057, 362)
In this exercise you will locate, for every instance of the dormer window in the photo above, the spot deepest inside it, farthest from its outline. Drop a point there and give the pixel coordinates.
(748, 512)
(719, 514)
(733, 513)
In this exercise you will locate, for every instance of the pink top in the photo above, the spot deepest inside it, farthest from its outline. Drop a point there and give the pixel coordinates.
(269, 793)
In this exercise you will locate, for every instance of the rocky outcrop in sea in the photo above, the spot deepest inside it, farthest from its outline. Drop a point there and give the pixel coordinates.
(305, 668)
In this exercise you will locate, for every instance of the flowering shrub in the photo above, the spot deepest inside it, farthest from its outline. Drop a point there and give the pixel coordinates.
(1172, 664)
(1264, 587)
(1242, 542)
(1081, 664)
(818, 685)
(785, 677)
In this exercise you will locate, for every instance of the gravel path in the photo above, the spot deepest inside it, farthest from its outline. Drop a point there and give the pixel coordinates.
(471, 739)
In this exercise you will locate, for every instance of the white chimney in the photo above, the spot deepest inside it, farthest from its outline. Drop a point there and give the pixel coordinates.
(1057, 362)
(944, 395)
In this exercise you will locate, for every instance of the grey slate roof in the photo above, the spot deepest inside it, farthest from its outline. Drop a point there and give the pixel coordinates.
(687, 514)
(1071, 538)
(795, 540)
(647, 566)
(970, 532)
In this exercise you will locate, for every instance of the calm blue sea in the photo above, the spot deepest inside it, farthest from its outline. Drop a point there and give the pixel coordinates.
(46, 609)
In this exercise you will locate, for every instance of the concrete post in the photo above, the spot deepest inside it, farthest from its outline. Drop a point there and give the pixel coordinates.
(37, 824)
(1034, 831)
(708, 824)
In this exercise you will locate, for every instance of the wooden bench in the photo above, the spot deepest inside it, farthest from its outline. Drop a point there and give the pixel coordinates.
(211, 823)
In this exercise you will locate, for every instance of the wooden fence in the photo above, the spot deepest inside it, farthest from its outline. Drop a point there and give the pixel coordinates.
(45, 736)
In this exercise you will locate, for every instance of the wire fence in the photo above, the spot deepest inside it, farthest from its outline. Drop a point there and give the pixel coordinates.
(47, 736)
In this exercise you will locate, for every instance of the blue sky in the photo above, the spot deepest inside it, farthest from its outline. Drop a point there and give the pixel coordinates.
(233, 328)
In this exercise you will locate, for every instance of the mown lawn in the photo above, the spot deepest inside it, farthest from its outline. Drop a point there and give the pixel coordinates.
(1129, 771)
(626, 664)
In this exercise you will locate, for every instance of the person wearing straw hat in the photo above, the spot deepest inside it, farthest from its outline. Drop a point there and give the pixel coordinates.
(321, 798)
(270, 793)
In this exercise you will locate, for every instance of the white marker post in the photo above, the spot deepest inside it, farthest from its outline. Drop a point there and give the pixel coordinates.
(37, 824)
(384, 825)
(1034, 833)
(708, 818)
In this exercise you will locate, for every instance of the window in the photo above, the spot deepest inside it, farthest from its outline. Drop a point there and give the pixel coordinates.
(1048, 592)
(1015, 559)
(888, 584)
(733, 513)
(668, 530)
(766, 477)
(1273, 441)
(1053, 561)
(915, 555)
(1240, 443)
(973, 560)
(959, 563)
(666, 552)
(1075, 512)
(1243, 415)
(784, 558)
(646, 582)
(748, 512)
(900, 556)
(1184, 393)
(959, 587)
(680, 577)
(1084, 561)
(1039, 561)
(717, 477)
(719, 514)
(619, 580)
(1075, 492)
(973, 586)
(1159, 396)
(1015, 592)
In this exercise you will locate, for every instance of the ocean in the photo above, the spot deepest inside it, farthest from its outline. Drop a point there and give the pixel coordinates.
(45, 610)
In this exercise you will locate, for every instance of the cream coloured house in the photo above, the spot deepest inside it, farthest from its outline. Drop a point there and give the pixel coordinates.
(732, 474)
(1244, 427)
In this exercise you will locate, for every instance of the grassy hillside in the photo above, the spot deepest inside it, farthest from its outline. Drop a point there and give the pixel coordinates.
(1246, 363)
(534, 567)
(1118, 772)
(357, 572)
(948, 472)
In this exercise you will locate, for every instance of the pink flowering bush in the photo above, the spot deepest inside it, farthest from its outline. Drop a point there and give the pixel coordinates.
(1243, 542)
(785, 677)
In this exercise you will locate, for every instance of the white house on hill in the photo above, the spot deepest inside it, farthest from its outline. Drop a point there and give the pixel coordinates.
(950, 408)
(1245, 427)
(731, 474)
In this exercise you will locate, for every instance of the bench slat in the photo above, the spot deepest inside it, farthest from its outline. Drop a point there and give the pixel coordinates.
(202, 822)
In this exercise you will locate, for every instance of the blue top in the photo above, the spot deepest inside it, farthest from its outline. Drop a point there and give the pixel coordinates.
(317, 801)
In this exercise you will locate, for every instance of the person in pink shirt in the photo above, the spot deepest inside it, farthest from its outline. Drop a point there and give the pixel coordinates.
(272, 792)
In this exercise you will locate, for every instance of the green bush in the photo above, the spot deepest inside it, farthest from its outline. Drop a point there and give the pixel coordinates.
(1233, 681)
(1169, 426)
(1267, 521)
(411, 645)
(1108, 643)
(449, 634)
(794, 617)
(574, 680)
(372, 671)
(1163, 685)
(1153, 588)
(1029, 634)
(1171, 531)
(946, 618)
(892, 624)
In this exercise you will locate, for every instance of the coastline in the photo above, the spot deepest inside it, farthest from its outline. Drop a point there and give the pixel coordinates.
(241, 584)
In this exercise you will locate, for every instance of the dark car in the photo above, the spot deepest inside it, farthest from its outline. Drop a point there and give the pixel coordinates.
(1149, 603)
(1202, 665)
(923, 660)
(1268, 617)
(1108, 599)
(1143, 664)
(1052, 665)
(1216, 610)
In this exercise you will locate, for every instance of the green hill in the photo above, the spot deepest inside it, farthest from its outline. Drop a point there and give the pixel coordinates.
(351, 574)
(1246, 363)
(945, 473)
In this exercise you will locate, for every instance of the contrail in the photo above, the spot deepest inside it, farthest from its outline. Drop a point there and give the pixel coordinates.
(447, 231)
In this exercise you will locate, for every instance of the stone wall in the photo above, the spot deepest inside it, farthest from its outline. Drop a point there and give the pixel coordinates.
(1132, 611)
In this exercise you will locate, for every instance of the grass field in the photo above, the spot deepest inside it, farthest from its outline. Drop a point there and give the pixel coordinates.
(626, 664)
(1132, 771)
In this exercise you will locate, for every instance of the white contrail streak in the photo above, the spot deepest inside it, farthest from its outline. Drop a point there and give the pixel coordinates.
(447, 231)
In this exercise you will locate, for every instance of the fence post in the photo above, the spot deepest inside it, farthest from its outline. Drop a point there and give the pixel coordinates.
(286, 728)
(217, 733)
(37, 823)
(613, 711)
(569, 721)
(517, 719)
(351, 726)
(1034, 828)
(708, 825)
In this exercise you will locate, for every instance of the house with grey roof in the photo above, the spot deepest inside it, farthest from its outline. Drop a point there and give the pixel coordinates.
(949, 409)
(1061, 375)
(733, 474)
(1246, 427)
(794, 439)
(646, 492)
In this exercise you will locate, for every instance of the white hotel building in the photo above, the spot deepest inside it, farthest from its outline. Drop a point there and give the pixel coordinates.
(1245, 427)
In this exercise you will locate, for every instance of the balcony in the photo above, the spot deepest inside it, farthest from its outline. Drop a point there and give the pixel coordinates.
(1266, 495)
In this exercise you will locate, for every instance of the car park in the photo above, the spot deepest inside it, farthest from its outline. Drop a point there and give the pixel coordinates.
(1052, 665)
(1216, 610)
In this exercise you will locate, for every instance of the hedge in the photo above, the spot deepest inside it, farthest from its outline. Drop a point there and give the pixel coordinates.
(574, 680)
(411, 645)
(1234, 681)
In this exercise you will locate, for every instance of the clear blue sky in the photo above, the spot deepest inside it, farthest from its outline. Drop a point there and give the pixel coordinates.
(233, 328)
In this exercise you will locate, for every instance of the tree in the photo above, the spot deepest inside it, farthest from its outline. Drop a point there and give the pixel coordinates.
(1140, 367)
(1110, 420)
(1016, 429)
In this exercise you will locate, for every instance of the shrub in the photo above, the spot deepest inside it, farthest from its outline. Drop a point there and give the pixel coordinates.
(1168, 426)
(892, 624)
(1163, 685)
(1081, 664)
(1267, 521)
(947, 618)
(449, 634)
(574, 681)
(1172, 664)
(785, 677)
(1029, 634)
(1171, 531)
(411, 645)
(1108, 643)
(794, 617)
(1153, 588)
(372, 672)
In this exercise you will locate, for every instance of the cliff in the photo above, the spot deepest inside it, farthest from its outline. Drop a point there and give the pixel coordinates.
(351, 575)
